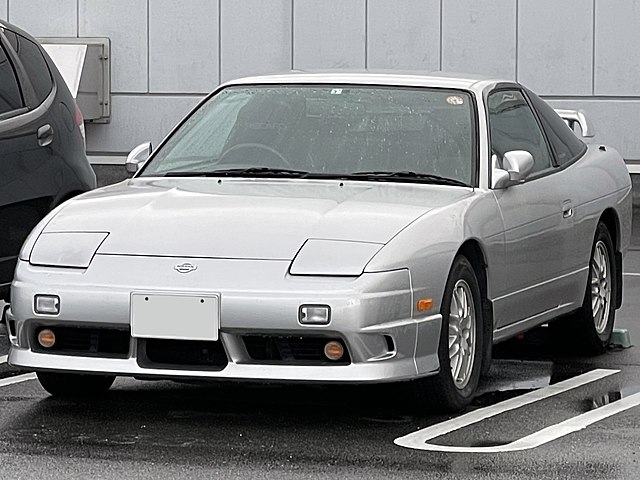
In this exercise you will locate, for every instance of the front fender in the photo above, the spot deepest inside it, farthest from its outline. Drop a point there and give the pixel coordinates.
(428, 246)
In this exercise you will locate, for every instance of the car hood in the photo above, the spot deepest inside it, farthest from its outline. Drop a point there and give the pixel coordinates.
(245, 218)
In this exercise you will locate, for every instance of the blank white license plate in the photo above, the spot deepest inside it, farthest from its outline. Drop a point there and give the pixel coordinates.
(175, 316)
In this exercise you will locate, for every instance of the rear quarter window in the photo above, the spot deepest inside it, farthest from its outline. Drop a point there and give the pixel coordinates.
(566, 146)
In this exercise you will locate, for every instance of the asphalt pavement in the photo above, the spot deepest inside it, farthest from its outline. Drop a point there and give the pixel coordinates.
(164, 429)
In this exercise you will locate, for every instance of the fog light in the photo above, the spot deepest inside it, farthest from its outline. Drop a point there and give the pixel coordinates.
(333, 350)
(314, 314)
(46, 338)
(47, 304)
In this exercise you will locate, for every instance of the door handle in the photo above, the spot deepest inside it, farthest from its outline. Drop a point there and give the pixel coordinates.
(567, 209)
(45, 135)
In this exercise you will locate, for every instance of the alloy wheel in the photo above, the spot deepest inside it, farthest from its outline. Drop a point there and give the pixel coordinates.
(600, 286)
(462, 334)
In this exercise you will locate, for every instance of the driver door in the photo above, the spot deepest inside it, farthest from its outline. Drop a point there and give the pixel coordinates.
(537, 215)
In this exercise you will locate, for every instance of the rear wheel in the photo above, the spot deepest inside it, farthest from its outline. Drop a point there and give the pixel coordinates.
(461, 343)
(592, 325)
(75, 385)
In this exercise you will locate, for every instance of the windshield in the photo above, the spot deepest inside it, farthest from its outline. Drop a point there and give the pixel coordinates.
(326, 130)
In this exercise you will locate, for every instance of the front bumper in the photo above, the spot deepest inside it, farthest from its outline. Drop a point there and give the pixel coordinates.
(256, 298)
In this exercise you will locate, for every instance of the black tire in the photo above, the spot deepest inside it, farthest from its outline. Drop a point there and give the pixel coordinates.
(74, 384)
(441, 392)
(590, 336)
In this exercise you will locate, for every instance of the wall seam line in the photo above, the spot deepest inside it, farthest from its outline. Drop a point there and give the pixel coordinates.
(292, 31)
(366, 34)
(148, 47)
(441, 35)
(517, 51)
(219, 42)
(593, 51)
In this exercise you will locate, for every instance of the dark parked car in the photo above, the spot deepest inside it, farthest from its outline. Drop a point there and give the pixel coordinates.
(42, 146)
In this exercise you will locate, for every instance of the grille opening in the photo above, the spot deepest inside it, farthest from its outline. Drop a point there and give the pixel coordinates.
(11, 326)
(390, 345)
(292, 349)
(85, 341)
(181, 354)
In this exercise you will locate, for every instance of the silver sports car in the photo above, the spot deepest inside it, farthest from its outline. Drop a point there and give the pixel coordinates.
(331, 227)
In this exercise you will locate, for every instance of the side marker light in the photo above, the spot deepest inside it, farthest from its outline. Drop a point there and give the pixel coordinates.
(425, 304)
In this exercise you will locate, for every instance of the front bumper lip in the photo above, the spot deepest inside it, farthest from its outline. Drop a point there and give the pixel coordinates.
(373, 372)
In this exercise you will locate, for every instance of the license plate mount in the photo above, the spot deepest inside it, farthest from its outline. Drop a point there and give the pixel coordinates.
(175, 316)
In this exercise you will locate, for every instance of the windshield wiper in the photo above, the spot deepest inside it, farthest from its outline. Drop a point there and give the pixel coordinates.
(374, 175)
(242, 172)
(406, 175)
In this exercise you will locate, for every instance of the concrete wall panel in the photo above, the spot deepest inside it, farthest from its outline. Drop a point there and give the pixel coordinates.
(559, 61)
(125, 22)
(329, 34)
(178, 49)
(255, 37)
(46, 18)
(137, 119)
(617, 56)
(613, 120)
(175, 64)
(479, 37)
(404, 35)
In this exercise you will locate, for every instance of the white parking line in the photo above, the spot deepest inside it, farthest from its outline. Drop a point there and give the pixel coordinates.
(631, 274)
(418, 440)
(17, 379)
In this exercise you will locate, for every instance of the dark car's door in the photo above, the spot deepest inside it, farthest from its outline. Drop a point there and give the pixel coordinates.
(537, 214)
(28, 179)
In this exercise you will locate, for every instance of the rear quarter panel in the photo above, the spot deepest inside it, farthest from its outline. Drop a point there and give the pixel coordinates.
(599, 181)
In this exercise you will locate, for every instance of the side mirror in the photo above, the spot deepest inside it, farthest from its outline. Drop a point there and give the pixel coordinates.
(516, 166)
(138, 157)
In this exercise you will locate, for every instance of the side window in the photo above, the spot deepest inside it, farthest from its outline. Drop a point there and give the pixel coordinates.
(34, 64)
(564, 142)
(10, 97)
(513, 126)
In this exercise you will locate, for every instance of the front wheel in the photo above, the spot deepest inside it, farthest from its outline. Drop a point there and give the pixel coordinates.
(461, 343)
(75, 385)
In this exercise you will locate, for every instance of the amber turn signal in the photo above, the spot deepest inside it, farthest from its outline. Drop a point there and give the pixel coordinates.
(46, 338)
(333, 350)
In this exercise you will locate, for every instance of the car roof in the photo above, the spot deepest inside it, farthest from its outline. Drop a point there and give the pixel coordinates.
(437, 79)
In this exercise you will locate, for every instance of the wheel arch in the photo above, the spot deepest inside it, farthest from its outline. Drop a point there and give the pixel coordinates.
(611, 220)
(472, 250)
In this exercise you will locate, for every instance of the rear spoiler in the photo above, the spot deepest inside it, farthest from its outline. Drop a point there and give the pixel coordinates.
(577, 117)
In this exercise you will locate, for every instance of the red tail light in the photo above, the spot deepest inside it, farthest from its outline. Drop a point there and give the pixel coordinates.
(80, 123)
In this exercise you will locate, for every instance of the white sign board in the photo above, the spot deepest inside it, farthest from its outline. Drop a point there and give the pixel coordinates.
(70, 61)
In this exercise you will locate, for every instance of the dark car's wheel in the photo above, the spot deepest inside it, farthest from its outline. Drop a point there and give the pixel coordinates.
(461, 343)
(592, 325)
(74, 385)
